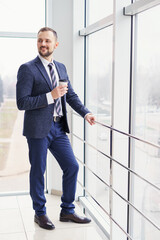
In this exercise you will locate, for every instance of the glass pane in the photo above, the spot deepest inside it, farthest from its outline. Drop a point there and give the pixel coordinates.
(98, 9)
(22, 15)
(147, 76)
(14, 163)
(99, 85)
(99, 74)
(100, 192)
(78, 147)
(146, 159)
(78, 125)
(98, 100)
(143, 228)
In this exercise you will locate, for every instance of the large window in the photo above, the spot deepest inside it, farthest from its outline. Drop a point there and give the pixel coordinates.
(121, 152)
(98, 100)
(99, 74)
(16, 18)
(146, 158)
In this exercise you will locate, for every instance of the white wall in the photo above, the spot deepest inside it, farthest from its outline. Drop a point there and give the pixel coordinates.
(60, 18)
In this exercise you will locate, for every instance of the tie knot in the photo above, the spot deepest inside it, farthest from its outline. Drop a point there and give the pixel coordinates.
(50, 65)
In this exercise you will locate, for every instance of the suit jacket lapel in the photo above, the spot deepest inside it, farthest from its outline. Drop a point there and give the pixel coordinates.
(58, 70)
(43, 71)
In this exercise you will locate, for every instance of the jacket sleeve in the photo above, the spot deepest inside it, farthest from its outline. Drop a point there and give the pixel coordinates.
(74, 101)
(24, 91)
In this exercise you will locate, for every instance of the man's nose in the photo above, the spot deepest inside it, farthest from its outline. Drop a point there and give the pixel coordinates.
(43, 43)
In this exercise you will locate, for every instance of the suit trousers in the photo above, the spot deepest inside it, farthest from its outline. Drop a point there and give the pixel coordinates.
(59, 145)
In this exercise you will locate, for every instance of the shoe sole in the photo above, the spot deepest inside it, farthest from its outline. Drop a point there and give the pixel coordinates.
(68, 220)
(65, 220)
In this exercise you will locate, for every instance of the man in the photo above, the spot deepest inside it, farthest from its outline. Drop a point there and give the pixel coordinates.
(45, 125)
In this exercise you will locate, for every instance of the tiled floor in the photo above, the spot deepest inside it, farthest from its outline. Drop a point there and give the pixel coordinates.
(16, 222)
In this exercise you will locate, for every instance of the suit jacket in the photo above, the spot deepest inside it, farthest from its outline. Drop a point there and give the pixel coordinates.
(32, 85)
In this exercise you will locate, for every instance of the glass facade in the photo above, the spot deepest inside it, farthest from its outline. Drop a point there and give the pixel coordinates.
(14, 163)
(98, 100)
(146, 159)
(121, 174)
(99, 74)
(14, 153)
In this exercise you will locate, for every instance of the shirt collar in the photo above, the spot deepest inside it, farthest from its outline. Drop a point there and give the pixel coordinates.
(44, 61)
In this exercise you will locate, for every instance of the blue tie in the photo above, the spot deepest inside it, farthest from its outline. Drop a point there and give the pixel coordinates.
(54, 84)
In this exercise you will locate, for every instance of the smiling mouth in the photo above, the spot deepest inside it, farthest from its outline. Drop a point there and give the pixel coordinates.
(43, 48)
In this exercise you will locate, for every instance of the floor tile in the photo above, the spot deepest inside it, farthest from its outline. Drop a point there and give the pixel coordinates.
(18, 221)
(13, 236)
(85, 233)
(28, 220)
(8, 202)
(24, 201)
(53, 214)
(10, 221)
(53, 200)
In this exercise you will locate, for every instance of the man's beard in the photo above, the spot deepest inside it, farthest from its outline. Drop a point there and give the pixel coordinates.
(47, 54)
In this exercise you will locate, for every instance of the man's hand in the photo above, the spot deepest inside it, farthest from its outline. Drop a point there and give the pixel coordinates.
(90, 118)
(59, 91)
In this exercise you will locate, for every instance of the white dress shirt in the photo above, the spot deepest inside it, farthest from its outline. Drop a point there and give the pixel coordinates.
(48, 95)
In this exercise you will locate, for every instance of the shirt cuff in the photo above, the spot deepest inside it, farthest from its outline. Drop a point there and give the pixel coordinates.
(87, 114)
(50, 100)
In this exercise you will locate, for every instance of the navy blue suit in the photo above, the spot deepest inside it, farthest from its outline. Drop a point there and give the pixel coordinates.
(43, 133)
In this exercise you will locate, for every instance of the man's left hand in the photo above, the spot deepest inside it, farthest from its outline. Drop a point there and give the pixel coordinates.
(90, 118)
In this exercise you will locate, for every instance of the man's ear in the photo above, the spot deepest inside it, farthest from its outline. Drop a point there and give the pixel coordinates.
(56, 45)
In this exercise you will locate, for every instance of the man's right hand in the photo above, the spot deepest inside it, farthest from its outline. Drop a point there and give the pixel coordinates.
(59, 91)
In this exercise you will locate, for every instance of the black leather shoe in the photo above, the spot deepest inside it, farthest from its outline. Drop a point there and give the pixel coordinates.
(44, 222)
(73, 218)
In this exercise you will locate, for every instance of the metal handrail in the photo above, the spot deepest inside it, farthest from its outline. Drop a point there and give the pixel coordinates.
(129, 203)
(109, 215)
(114, 160)
(124, 133)
(128, 135)
(128, 169)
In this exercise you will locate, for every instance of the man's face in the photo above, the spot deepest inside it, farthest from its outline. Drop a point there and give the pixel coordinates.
(46, 43)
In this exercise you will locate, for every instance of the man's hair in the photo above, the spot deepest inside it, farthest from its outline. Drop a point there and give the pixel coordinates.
(45, 29)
